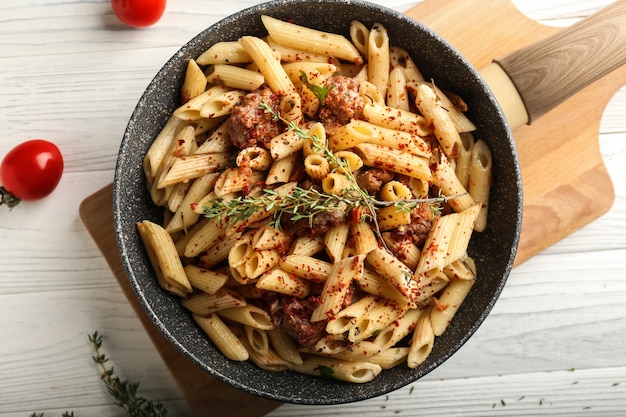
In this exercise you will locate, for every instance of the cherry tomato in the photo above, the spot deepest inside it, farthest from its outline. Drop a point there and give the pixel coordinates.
(138, 13)
(30, 171)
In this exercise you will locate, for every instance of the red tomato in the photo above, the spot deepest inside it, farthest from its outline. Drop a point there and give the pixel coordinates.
(30, 171)
(138, 13)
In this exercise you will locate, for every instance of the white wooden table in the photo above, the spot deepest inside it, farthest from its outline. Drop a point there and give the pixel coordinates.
(69, 72)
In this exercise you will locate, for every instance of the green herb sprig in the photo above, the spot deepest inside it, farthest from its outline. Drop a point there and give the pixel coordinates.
(307, 203)
(124, 392)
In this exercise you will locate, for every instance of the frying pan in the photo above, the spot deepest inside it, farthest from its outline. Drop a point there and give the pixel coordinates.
(494, 249)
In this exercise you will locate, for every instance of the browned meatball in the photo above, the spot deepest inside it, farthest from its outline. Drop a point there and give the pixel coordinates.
(251, 125)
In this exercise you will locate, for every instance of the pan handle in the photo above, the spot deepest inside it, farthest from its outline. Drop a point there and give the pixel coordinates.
(542, 75)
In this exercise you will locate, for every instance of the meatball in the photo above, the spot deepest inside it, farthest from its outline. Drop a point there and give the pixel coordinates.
(250, 124)
(343, 101)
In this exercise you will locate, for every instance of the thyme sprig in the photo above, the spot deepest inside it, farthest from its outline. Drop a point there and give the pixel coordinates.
(124, 392)
(307, 203)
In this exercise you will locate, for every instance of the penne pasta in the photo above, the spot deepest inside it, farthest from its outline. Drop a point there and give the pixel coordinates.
(378, 57)
(311, 40)
(164, 258)
(303, 239)
(336, 285)
(268, 64)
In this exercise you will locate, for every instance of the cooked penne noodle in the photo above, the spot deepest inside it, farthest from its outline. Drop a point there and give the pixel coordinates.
(392, 217)
(300, 37)
(204, 304)
(394, 191)
(480, 168)
(335, 241)
(405, 250)
(268, 64)
(255, 157)
(257, 340)
(223, 338)
(397, 95)
(449, 185)
(346, 318)
(421, 342)
(164, 258)
(222, 104)
(461, 167)
(449, 303)
(288, 54)
(260, 261)
(205, 279)
(360, 132)
(399, 57)
(224, 53)
(284, 345)
(459, 270)
(397, 119)
(219, 251)
(268, 237)
(234, 180)
(394, 160)
(376, 319)
(387, 265)
(370, 93)
(159, 148)
(349, 161)
(290, 108)
(294, 70)
(195, 82)
(306, 267)
(308, 246)
(192, 167)
(203, 238)
(398, 330)
(378, 57)
(350, 371)
(359, 35)
(428, 284)
(235, 77)
(313, 217)
(280, 170)
(461, 122)
(391, 357)
(316, 166)
(285, 144)
(339, 279)
(439, 119)
(280, 281)
(249, 315)
(447, 240)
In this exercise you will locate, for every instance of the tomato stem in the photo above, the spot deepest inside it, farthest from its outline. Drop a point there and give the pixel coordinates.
(7, 198)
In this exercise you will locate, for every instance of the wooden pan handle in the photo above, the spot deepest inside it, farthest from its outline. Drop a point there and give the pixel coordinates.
(553, 69)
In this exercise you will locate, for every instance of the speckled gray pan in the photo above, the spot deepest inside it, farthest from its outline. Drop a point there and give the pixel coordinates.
(494, 249)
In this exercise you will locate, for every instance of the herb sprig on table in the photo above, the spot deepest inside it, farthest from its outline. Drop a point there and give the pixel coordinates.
(123, 392)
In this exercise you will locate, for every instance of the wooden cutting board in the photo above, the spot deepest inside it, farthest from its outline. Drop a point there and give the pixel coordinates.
(566, 184)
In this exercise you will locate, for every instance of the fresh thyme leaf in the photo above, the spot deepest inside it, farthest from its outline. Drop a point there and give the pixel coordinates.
(319, 91)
